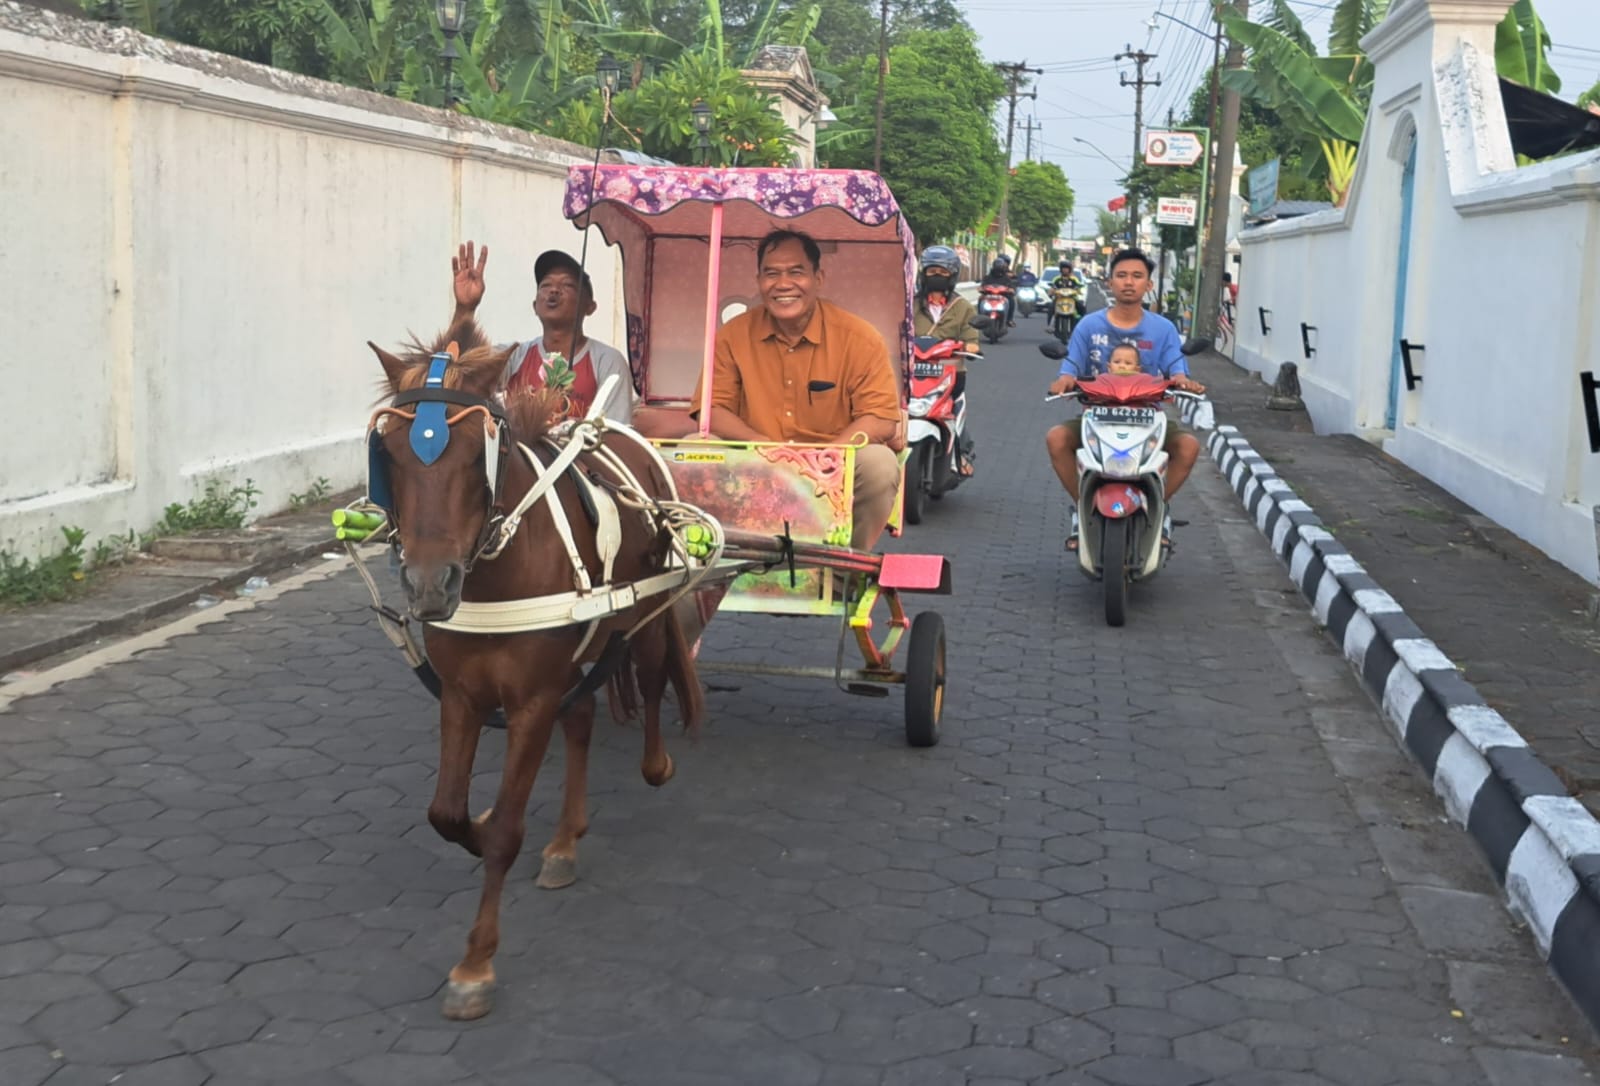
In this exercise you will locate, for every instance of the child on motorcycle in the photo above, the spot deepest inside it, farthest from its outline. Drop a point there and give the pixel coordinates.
(1124, 360)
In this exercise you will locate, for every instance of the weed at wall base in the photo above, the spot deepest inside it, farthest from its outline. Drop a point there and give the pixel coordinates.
(54, 577)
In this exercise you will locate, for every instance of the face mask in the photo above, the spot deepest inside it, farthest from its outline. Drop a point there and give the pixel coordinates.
(938, 284)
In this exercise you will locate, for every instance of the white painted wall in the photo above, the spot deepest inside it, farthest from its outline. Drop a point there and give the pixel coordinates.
(195, 251)
(1504, 273)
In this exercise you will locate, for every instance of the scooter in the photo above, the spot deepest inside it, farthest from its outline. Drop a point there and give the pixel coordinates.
(1029, 298)
(1124, 524)
(937, 434)
(994, 304)
(1066, 307)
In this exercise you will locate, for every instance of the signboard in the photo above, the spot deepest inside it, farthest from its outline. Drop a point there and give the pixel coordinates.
(1263, 186)
(1177, 211)
(1083, 246)
(1173, 148)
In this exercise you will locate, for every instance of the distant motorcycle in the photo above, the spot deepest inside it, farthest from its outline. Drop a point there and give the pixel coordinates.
(1029, 298)
(1066, 305)
(993, 304)
(937, 436)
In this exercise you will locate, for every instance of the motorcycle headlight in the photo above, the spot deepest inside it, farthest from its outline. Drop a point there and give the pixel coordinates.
(921, 405)
(1121, 466)
(1150, 446)
(1092, 443)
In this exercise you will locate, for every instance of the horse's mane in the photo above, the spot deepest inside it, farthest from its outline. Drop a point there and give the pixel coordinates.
(531, 412)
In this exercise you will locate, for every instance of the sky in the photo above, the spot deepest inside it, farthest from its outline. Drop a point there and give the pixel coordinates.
(1079, 94)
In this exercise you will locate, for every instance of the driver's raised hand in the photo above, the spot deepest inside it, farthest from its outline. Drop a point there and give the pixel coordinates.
(1065, 383)
(467, 268)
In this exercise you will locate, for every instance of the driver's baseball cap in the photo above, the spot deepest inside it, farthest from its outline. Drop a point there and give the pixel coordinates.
(553, 260)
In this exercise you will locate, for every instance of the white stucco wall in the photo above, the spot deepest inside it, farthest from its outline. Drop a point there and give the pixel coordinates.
(1501, 288)
(196, 251)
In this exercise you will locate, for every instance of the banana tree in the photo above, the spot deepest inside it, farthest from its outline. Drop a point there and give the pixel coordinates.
(367, 45)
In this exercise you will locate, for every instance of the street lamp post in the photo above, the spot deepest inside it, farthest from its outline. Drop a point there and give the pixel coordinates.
(702, 126)
(609, 74)
(450, 13)
(1079, 139)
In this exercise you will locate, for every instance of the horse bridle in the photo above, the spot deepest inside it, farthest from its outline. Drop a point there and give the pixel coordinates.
(430, 424)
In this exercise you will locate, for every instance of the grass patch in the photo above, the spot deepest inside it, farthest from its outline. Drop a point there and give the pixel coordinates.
(53, 577)
(220, 507)
(315, 494)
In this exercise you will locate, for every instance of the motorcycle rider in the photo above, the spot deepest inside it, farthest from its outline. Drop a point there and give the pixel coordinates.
(1126, 321)
(943, 314)
(1000, 276)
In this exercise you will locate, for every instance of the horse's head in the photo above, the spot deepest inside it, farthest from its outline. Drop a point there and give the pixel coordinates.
(435, 459)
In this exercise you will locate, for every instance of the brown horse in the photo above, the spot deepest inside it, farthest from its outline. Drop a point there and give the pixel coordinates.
(442, 513)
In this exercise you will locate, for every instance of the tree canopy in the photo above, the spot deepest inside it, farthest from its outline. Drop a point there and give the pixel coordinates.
(940, 154)
(1040, 201)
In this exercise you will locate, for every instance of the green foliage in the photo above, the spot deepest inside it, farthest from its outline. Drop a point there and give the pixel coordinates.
(1521, 48)
(53, 577)
(218, 507)
(315, 494)
(1590, 98)
(1040, 201)
(940, 156)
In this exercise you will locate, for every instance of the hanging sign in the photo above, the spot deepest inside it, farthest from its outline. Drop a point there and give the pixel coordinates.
(1177, 211)
(1173, 148)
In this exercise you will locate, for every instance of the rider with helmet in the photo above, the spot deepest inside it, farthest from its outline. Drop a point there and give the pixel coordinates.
(1000, 276)
(941, 313)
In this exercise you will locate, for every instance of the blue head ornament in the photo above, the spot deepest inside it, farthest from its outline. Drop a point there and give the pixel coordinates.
(430, 432)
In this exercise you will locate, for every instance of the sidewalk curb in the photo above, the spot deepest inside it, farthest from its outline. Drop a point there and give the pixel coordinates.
(1542, 844)
(136, 617)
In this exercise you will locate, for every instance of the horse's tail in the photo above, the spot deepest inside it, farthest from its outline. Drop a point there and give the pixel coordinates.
(682, 674)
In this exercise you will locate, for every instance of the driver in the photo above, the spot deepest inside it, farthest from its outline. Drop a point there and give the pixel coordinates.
(564, 296)
(943, 314)
(1125, 321)
(799, 369)
(1000, 276)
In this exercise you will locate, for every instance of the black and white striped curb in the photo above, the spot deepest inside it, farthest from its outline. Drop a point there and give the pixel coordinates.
(1543, 845)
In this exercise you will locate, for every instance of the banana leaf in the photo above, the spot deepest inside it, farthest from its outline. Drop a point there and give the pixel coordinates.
(1352, 20)
(1282, 18)
(1284, 71)
(1521, 44)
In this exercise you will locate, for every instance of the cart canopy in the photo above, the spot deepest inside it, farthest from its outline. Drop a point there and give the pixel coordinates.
(664, 218)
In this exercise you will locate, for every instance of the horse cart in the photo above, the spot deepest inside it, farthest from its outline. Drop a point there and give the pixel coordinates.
(545, 557)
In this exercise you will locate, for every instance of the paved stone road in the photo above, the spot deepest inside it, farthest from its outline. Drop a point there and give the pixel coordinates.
(1177, 853)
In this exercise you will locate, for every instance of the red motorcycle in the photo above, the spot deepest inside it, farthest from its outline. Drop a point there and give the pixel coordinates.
(937, 435)
(994, 305)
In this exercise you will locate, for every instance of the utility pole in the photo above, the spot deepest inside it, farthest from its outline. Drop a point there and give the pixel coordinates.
(1033, 126)
(1215, 256)
(1013, 74)
(883, 71)
(1140, 58)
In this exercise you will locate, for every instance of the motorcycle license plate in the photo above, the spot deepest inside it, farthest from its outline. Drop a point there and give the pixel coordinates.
(1134, 416)
(927, 369)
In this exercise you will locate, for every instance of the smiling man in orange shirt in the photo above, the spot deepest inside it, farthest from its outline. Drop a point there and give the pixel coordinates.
(801, 369)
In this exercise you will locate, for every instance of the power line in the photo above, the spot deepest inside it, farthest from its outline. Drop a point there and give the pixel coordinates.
(1015, 73)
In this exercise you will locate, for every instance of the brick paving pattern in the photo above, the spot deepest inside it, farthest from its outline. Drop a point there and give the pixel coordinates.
(1182, 852)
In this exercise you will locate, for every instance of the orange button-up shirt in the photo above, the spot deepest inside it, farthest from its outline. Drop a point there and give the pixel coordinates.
(838, 371)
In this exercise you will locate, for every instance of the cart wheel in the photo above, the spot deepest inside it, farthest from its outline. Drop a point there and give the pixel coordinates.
(917, 482)
(925, 680)
(1114, 563)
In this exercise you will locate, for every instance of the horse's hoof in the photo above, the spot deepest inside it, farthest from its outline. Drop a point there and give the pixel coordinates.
(656, 780)
(466, 1000)
(557, 872)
